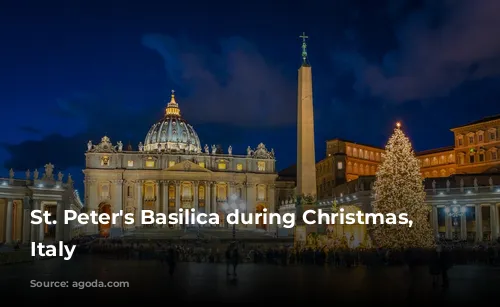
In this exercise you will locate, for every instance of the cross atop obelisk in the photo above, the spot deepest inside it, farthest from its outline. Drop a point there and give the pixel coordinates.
(304, 47)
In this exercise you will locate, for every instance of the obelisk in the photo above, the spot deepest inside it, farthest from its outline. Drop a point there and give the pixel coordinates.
(306, 161)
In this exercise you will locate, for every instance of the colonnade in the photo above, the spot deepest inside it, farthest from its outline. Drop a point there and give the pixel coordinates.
(457, 220)
(17, 225)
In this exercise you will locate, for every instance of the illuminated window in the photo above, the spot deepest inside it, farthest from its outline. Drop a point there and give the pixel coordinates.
(130, 163)
(105, 161)
(493, 155)
(222, 165)
(340, 165)
(150, 163)
(105, 191)
(471, 139)
(460, 142)
(149, 191)
(221, 192)
(201, 192)
(171, 163)
(239, 167)
(480, 138)
(201, 164)
(261, 192)
(261, 166)
(171, 192)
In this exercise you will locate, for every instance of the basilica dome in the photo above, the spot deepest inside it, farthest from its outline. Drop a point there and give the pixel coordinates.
(172, 133)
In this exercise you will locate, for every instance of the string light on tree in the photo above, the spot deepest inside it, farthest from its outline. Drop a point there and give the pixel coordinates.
(399, 188)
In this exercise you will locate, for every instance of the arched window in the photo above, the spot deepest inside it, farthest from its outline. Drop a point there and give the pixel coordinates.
(261, 192)
(201, 192)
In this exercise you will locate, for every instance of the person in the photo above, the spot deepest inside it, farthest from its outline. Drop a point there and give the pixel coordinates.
(235, 257)
(434, 267)
(228, 259)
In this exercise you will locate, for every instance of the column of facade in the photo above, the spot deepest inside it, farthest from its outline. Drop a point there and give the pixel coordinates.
(230, 191)
(60, 221)
(251, 198)
(463, 226)
(270, 205)
(213, 197)
(177, 195)
(139, 200)
(41, 227)
(196, 203)
(118, 201)
(157, 197)
(9, 222)
(435, 224)
(92, 193)
(207, 197)
(33, 227)
(494, 221)
(26, 220)
(177, 198)
(271, 198)
(448, 223)
(243, 194)
(165, 196)
(479, 223)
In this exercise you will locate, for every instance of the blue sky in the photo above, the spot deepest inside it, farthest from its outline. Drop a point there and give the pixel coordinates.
(76, 70)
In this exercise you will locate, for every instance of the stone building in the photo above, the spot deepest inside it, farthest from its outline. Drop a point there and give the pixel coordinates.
(475, 151)
(462, 182)
(18, 197)
(171, 170)
(463, 207)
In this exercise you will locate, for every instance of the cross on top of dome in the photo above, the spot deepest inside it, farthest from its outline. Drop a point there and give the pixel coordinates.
(172, 107)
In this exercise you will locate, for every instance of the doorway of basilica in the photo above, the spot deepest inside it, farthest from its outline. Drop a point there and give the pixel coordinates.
(50, 230)
(260, 221)
(104, 208)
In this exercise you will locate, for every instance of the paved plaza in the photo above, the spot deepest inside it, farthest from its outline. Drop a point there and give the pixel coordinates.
(200, 282)
(194, 233)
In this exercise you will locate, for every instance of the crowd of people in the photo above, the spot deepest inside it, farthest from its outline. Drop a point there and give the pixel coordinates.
(189, 251)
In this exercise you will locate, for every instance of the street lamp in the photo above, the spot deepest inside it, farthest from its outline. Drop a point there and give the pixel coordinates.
(232, 207)
(455, 213)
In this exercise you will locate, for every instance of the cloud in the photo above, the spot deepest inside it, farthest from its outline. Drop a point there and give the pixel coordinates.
(235, 85)
(249, 92)
(437, 52)
(99, 114)
(57, 149)
(30, 129)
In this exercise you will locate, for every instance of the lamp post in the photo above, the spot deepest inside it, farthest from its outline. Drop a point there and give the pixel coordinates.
(232, 207)
(455, 212)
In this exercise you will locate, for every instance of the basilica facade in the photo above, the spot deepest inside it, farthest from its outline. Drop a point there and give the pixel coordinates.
(171, 170)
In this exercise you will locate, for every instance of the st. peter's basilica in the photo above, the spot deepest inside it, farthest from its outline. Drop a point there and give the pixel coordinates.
(172, 170)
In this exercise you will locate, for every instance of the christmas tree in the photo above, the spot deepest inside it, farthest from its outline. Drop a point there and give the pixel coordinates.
(399, 189)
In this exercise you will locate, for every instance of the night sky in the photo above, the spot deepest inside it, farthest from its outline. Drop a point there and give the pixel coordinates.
(71, 71)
